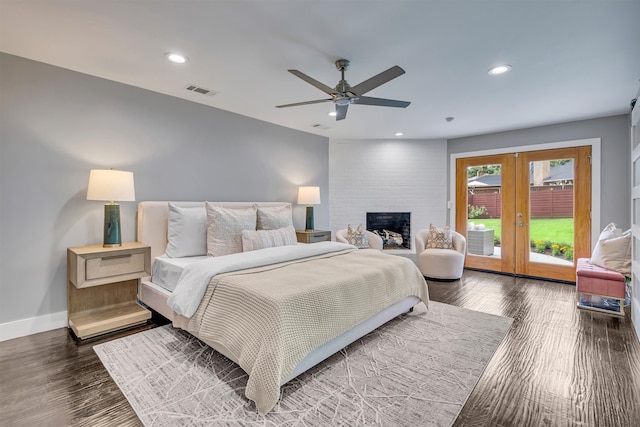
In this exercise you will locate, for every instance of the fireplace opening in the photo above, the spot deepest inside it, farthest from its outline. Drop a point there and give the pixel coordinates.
(393, 227)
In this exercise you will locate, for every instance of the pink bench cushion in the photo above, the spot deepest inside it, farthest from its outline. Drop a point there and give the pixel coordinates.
(597, 280)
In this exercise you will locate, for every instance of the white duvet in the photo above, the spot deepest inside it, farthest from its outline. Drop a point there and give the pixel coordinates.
(195, 278)
(269, 318)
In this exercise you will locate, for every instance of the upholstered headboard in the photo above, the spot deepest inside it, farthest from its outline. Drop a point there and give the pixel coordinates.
(153, 220)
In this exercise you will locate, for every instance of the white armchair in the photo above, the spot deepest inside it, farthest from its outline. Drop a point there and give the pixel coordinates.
(441, 264)
(375, 241)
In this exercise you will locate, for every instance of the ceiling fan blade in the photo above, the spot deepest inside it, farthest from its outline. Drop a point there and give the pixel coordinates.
(341, 111)
(367, 100)
(326, 89)
(317, 101)
(377, 80)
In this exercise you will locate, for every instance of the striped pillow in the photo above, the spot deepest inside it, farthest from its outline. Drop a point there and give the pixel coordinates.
(259, 239)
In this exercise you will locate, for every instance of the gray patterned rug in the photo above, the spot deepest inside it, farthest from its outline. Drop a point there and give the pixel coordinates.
(417, 370)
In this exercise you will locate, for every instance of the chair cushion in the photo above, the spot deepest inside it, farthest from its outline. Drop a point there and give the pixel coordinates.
(594, 279)
(440, 263)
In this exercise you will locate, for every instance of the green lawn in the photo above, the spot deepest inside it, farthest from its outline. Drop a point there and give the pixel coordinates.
(556, 230)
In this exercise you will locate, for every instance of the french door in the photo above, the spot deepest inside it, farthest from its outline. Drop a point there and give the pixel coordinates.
(526, 213)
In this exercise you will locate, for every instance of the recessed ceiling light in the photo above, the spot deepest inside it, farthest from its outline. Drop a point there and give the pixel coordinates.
(500, 69)
(399, 134)
(176, 57)
(333, 114)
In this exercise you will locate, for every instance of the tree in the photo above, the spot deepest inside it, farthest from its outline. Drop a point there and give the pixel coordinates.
(472, 171)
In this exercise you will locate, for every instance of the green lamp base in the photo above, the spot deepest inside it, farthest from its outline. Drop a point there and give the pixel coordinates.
(309, 224)
(111, 236)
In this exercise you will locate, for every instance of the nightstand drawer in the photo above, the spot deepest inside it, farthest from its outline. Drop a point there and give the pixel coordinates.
(317, 237)
(114, 265)
(313, 236)
(95, 265)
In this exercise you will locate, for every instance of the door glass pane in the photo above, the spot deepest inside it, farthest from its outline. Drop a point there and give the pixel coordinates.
(551, 214)
(484, 208)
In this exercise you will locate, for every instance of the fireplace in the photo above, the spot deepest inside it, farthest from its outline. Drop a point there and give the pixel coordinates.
(393, 227)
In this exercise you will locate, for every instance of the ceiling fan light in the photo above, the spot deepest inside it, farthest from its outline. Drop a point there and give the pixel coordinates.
(176, 57)
(499, 69)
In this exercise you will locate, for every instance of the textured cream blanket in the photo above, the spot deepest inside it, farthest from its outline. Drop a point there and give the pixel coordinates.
(269, 318)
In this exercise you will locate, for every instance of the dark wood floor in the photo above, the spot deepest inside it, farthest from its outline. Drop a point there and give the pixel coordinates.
(558, 366)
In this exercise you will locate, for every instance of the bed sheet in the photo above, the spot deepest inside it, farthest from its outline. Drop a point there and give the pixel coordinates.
(166, 271)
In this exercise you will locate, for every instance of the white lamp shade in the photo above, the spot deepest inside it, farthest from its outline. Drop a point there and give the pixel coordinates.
(111, 185)
(309, 195)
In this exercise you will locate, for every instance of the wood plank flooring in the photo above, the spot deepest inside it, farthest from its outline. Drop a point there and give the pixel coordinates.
(558, 366)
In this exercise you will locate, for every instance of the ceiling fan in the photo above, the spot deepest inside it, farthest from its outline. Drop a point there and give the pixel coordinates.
(343, 94)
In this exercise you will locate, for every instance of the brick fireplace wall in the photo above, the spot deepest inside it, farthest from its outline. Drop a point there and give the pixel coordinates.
(388, 176)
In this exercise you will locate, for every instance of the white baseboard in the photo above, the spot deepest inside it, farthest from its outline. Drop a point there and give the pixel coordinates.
(33, 325)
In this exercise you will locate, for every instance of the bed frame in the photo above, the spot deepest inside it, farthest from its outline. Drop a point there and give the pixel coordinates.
(153, 220)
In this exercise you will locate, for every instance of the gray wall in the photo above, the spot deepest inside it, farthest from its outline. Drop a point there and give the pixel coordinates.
(56, 125)
(615, 195)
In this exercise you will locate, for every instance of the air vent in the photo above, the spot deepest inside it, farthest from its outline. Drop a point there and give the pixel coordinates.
(198, 89)
(320, 126)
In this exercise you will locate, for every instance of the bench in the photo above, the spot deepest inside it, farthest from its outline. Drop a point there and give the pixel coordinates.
(599, 289)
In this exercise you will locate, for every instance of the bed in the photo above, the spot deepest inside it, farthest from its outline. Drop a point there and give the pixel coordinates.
(276, 311)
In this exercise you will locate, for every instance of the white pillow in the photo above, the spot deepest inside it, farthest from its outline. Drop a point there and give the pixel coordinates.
(187, 231)
(611, 230)
(259, 239)
(224, 232)
(274, 217)
(613, 250)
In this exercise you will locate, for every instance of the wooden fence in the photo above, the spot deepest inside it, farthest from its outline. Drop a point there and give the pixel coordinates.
(544, 203)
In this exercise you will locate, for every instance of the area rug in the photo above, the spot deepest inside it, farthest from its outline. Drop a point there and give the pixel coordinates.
(417, 370)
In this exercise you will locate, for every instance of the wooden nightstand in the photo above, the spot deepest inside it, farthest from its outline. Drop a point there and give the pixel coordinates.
(102, 287)
(305, 236)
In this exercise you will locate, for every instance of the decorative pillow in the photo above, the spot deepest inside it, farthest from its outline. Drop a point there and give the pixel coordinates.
(357, 238)
(274, 217)
(187, 231)
(611, 230)
(439, 239)
(613, 250)
(259, 239)
(224, 232)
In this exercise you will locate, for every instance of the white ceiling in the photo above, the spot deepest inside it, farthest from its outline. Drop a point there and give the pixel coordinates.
(571, 59)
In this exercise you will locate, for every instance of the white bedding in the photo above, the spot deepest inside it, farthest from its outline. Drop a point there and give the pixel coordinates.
(270, 317)
(166, 270)
(196, 276)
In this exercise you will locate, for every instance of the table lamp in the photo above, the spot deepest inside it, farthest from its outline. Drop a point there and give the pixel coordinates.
(111, 185)
(309, 196)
